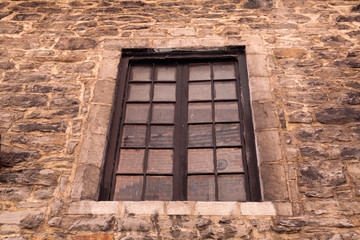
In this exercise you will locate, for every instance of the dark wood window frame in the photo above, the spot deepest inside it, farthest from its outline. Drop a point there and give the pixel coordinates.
(235, 54)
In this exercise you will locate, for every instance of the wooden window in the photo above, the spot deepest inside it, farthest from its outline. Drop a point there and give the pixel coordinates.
(182, 128)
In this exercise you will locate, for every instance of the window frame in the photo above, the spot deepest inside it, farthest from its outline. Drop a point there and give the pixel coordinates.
(237, 54)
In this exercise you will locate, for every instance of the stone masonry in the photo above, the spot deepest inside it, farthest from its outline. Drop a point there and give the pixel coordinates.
(58, 69)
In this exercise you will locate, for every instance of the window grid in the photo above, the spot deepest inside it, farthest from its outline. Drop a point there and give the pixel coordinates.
(181, 128)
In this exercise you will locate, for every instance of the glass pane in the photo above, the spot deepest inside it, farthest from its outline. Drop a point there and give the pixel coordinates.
(199, 71)
(141, 73)
(161, 136)
(200, 136)
(201, 188)
(225, 90)
(131, 161)
(199, 112)
(226, 111)
(137, 113)
(199, 91)
(128, 188)
(224, 71)
(200, 160)
(133, 136)
(139, 92)
(229, 160)
(164, 92)
(158, 188)
(227, 134)
(163, 113)
(231, 188)
(166, 73)
(160, 161)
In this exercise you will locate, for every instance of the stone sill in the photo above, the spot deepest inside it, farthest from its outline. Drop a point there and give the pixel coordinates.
(181, 208)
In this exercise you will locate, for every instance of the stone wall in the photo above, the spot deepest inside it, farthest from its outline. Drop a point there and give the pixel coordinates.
(58, 67)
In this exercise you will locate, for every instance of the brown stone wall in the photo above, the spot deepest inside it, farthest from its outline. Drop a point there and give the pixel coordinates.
(58, 64)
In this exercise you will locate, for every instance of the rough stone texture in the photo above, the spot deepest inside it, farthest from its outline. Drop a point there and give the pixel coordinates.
(133, 224)
(93, 224)
(58, 67)
(24, 219)
(321, 174)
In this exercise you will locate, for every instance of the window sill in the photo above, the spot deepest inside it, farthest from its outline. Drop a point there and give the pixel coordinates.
(181, 208)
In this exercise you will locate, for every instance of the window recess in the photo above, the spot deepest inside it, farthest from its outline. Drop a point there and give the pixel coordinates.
(182, 129)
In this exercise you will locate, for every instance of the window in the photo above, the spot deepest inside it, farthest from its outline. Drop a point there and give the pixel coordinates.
(182, 128)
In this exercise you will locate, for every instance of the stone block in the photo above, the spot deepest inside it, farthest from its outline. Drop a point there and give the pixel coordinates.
(14, 194)
(11, 156)
(43, 193)
(45, 177)
(183, 32)
(190, 42)
(257, 65)
(337, 115)
(108, 68)
(23, 100)
(143, 208)
(259, 88)
(92, 207)
(10, 27)
(216, 208)
(93, 224)
(86, 183)
(274, 182)
(179, 208)
(264, 115)
(133, 224)
(111, 53)
(75, 43)
(283, 209)
(93, 149)
(56, 206)
(99, 118)
(321, 134)
(126, 43)
(25, 219)
(39, 127)
(300, 117)
(268, 144)
(257, 209)
(104, 92)
(321, 173)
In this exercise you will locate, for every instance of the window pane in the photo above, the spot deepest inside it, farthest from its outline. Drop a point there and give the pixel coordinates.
(137, 113)
(139, 92)
(164, 92)
(199, 91)
(163, 113)
(141, 73)
(226, 111)
(131, 161)
(199, 112)
(229, 160)
(128, 188)
(199, 71)
(224, 71)
(161, 136)
(231, 188)
(200, 135)
(200, 160)
(166, 73)
(158, 188)
(160, 161)
(133, 136)
(227, 134)
(225, 90)
(201, 188)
